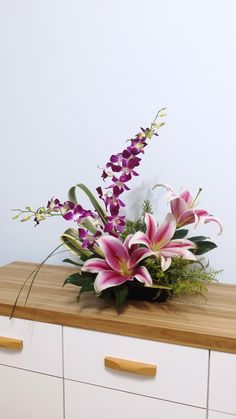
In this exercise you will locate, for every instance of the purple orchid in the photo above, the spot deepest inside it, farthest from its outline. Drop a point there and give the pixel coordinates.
(77, 213)
(120, 264)
(158, 240)
(114, 224)
(121, 169)
(88, 239)
(118, 182)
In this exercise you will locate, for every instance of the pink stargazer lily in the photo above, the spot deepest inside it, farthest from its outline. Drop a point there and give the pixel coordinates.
(158, 240)
(183, 208)
(120, 264)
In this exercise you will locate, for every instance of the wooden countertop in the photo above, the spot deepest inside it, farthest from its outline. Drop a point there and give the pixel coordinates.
(191, 321)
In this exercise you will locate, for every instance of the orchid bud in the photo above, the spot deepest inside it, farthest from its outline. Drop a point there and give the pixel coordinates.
(25, 218)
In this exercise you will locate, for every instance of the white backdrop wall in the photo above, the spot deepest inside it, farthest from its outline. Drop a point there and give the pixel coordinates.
(77, 78)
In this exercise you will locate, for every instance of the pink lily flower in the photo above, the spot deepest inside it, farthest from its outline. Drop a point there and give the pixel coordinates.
(183, 208)
(120, 264)
(158, 240)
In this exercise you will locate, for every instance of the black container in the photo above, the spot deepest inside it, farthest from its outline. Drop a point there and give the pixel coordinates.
(141, 293)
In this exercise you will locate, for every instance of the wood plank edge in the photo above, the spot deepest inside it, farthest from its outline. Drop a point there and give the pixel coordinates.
(157, 333)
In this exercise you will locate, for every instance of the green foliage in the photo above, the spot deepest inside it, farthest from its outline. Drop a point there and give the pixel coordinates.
(147, 207)
(93, 200)
(70, 239)
(132, 227)
(85, 281)
(180, 234)
(72, 262)
(121, 294)
(203, 245)
(183, 276)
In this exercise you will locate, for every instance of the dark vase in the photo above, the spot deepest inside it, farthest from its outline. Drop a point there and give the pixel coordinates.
(141, 293)
(138, 292)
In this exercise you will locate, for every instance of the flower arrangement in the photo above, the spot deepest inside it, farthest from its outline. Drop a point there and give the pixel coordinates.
(116, 257)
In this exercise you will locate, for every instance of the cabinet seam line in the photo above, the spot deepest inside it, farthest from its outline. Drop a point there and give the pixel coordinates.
(63, 373)
(33, 371)
(208, 385)
(136, 394)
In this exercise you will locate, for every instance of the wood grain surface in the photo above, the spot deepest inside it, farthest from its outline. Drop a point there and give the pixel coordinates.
(191, 321)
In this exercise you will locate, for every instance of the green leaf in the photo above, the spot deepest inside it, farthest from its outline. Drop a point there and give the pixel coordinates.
(121, 295)
(71, 240)
(203, 247)
(107, 293)
(164, 287)
(180, 234)
(196, 239)
(72, 262)
(93, 200)
(89, 226)
(80, 280)
(82, 290)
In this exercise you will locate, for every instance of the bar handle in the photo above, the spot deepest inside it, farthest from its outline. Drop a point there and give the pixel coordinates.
(139, 368)
(10, 343)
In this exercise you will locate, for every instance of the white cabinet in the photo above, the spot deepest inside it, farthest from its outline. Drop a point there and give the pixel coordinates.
(222, 388)
(52, 381)
(219, 415)
(181, 371)
(31, 382)
(42, 346)
(84, 401)
(29, 395)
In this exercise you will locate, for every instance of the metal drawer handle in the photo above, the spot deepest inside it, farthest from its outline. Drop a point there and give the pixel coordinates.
(130, 366)
(10, 343)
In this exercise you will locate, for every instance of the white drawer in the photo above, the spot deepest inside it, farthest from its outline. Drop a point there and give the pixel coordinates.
(222, 382)
(219, 415)
(42, 346)
(29, 395)
(181, 371)
(85, 401)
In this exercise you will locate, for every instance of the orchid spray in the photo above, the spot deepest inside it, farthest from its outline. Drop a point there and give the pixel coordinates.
(115, 255)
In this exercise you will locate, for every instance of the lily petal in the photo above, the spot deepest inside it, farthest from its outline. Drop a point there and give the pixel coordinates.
(127, 245)
(178, 248)
(166, 231)
(189, 255)
(184, 253)
(210, 218)
(181, 243)
(188, 217)
(178, 207)
(142, 275)
(187, 196)
(204, 217)
(165, 263)
(114, 251)
(170, 193)
(138, 255)
(107, 279)
(140, 238)
(151, 227)
(95, 265)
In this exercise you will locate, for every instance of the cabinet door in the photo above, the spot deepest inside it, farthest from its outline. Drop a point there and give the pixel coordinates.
(42, 346)
(181, 371)
(85, 401)
(219, 415)
(29, 395)
(222, 382)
